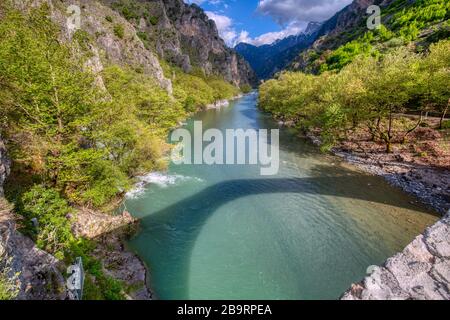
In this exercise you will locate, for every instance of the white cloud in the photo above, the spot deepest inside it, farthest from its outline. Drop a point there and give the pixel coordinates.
(291, 15)
(232, 37)
(287, 11)
(292, 28)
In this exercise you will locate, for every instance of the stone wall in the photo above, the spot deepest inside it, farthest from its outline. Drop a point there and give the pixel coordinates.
(420, 272)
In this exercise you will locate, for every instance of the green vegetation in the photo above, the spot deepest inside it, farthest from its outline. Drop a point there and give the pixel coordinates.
(246, 88)
(62, 130)
(128, 8)
(144, 38)
(195, 90)
(133, 10)
(403, 22)
(154, 20)
(8, 287)
(119, 31)
(368, 91)
(54, 233)
(109, 19)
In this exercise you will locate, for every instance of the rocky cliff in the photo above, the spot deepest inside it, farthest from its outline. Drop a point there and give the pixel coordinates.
(346, 25)
(420, 272)
(350, 24)
(37, 274)
(140, 33)
(183, 35)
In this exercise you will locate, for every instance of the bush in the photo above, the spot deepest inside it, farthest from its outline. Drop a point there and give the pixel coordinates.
(144, 38)
(52, 212)
(195, 90)
(119, 31)
(8, 288)
(153, 20)
(109, 19)
(246, 88)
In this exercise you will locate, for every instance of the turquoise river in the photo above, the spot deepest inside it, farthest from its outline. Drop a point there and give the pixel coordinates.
(226, 232)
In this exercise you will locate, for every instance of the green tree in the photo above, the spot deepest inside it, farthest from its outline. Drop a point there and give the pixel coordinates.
(435, 79)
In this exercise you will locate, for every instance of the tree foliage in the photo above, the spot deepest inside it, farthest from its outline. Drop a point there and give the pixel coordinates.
(369, 91)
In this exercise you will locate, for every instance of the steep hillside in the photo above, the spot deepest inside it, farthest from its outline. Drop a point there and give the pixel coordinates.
(183, 35)
(266, 60)
(346, 35)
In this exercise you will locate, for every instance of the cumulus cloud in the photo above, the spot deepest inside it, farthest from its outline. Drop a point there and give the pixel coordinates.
(291, 15)
(293, 28)
(287, 11)
(232, 37)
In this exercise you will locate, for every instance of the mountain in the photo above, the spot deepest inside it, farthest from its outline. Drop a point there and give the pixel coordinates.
(268, 59)
(183, 35)
(346, 35)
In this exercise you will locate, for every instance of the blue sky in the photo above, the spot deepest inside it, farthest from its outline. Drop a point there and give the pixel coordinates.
(264, 21)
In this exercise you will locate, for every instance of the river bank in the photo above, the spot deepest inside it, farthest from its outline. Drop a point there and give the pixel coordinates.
(420, 167)
(420, 272)
(110, 234)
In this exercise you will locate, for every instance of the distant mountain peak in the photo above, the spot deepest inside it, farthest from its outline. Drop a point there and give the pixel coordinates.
(313, 27)
(268, 59)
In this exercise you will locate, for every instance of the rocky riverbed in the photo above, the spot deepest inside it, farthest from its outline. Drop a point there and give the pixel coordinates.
(110, 233)
(428, 182)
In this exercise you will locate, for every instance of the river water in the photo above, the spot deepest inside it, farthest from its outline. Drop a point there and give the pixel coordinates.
(226, 232)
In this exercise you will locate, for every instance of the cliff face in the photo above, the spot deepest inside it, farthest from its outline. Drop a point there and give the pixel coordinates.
(183, 34)
(36, 274)
(334, 32)
(420, 272)
(104, 43)
(170, 30)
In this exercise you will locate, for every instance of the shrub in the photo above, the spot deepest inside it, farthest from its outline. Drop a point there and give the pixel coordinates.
(119, 31)
(109, 19)
(52, 212)
(246, 88)
(153, 20)
(8, 288)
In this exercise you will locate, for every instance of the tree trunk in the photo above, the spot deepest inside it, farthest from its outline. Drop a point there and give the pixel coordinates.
(377, 128)
(441, 121)
(389, 135)
(413, 129)
(388, 147)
